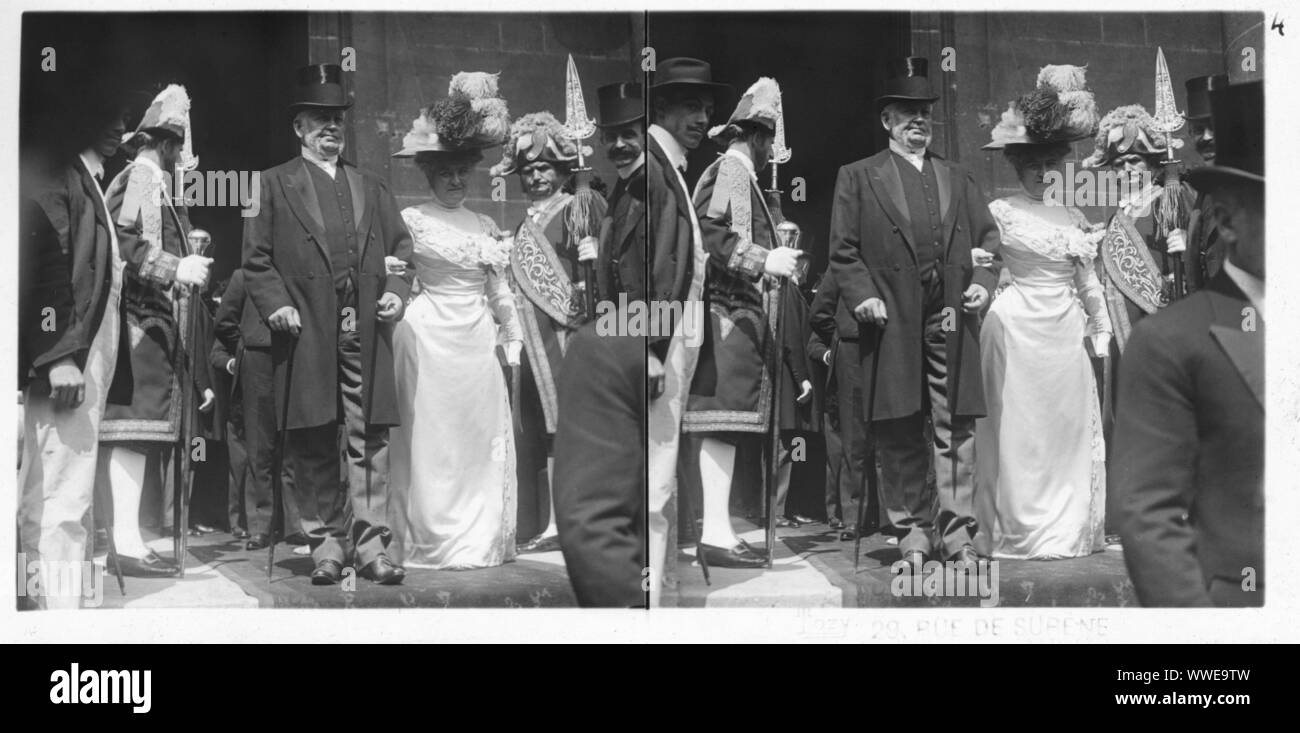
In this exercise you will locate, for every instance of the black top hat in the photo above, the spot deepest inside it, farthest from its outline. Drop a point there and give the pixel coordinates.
(620, 103)
(685, 73)
(908, 80)
(1237, 112)
(320, 86)
(1198, 94)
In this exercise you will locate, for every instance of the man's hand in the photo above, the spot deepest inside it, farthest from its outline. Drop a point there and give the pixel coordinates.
(209, 398)
(285, 320)
(193, 270)
(67, 384)
(806, 393)
(587, 249)
(826, 357)
(513, 349)
(781, 262)
(981, 257)
(1176, 242)
(394, 266)
(230, 367)
(390, 308)
(974, 299)
(872, 310)
(654, 376)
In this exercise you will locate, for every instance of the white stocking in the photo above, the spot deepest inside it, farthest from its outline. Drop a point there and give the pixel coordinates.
(126, 479)
(551, 530)
(717, 464)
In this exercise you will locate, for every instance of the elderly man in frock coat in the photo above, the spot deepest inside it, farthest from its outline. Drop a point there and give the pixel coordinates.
(903, 225)
(314, 266)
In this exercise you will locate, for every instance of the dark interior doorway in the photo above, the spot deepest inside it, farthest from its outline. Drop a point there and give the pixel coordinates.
(237, 68)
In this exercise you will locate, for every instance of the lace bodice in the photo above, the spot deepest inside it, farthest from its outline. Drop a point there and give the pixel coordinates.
(1039, 253)
(451, 262)
(438, 239)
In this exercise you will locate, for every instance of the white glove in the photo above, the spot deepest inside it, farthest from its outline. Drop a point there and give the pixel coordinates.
(208, 398)
(394, 266)
(781, 262)
(806, 393)
(1101, 344)
(1175, 242)
(193, 270)
(826, 358)
(512, 352)
(587, 249)
(230, 367)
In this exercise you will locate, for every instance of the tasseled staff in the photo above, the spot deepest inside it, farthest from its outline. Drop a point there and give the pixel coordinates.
(1172, 213)
(585, 213)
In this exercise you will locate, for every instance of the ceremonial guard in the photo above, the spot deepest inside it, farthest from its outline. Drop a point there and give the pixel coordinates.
(152, 233)
(731, 393)
(555, 239)
(1140, 257)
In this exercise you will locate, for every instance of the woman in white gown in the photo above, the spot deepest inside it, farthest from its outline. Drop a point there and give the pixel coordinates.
(1040, 476)
(452, 478)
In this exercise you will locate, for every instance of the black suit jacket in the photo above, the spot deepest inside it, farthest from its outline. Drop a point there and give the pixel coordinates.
(286, 263)
(600, 464)
(1188, 451)
(873, 256)
(66, 267)
(670, 236)
(622, 257)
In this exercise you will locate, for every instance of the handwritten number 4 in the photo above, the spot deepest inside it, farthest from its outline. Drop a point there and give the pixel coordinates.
(1278, 26)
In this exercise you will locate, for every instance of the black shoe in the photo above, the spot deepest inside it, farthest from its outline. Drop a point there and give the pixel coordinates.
(327, 572)
(239, 533)
(849, 534)
(257, 542)
(202, 529)
(539, 544)
(149, 566)
(787, 522)
(835, 525)
(740, 556)
(801, 519)
(383, 571)
(965, 554)
(296, 539)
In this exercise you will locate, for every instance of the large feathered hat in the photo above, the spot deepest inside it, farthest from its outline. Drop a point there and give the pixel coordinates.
(169, 114)
(533, 137)
(1124, 130)
(760, 105)
(1059, 110)
(472, 117)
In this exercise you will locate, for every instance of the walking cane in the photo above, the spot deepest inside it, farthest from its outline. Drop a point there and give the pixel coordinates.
(183, 468)
(774, 455)
(277, 475)
(873, 481)
(112, 544)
